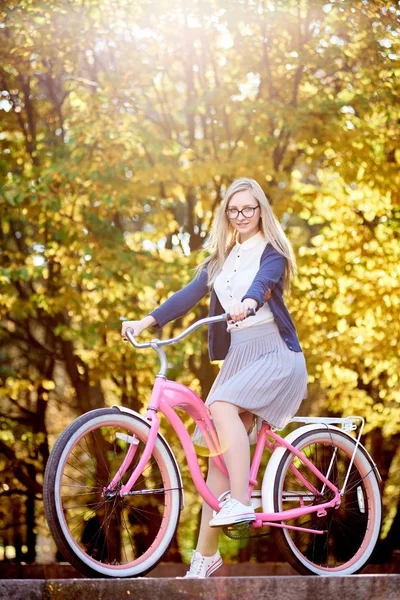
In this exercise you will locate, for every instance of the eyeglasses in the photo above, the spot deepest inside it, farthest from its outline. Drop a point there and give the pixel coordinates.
(248, 212)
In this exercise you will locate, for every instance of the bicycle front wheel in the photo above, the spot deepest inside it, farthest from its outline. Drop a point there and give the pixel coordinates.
(108, 535)
(352, 529)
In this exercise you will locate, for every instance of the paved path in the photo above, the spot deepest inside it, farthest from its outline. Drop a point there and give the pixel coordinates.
(354, 587)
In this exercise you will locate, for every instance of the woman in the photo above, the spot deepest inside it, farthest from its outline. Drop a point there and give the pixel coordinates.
(264, 373)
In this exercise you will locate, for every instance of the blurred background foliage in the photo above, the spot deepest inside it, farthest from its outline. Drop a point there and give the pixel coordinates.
(122, 124)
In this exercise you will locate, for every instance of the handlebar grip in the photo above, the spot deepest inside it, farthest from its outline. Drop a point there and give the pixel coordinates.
(130, 337)
(250, 313)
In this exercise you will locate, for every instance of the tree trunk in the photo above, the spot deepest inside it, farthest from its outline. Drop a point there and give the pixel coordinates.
(31, 535)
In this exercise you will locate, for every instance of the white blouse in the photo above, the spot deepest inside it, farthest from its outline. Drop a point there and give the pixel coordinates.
(237, 275)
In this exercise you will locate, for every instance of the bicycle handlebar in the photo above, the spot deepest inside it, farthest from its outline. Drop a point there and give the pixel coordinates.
(155, 342)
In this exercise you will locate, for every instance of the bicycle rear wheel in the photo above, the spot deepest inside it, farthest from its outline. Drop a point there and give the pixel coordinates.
(108, 535)
(351, 530)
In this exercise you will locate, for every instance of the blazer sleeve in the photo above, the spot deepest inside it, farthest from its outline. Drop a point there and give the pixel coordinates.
(181, 302)
(272, 268)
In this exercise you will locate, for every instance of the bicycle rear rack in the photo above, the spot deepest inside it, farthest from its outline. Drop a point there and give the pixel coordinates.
(347, 424)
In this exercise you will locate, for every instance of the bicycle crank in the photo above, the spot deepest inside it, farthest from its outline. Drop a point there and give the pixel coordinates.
(242, 531)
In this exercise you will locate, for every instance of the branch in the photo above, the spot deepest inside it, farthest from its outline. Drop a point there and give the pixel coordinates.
(16, 492)
(237, 140)
(19, 472)
(29, 413)
(30, 340)
(280, 149)
(369, 224)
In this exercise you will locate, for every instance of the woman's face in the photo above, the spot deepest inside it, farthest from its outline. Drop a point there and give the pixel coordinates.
(247, 221)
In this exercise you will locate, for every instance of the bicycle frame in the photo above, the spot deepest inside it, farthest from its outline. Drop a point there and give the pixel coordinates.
(166, 397)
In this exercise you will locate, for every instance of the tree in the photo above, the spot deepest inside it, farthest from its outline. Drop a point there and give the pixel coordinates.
(118, 143)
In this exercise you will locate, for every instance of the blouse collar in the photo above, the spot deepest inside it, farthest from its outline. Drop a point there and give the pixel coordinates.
(251, 242)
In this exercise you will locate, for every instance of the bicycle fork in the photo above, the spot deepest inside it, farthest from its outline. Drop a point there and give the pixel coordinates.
(133, 442)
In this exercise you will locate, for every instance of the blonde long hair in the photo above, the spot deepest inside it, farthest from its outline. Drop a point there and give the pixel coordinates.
(223, 236)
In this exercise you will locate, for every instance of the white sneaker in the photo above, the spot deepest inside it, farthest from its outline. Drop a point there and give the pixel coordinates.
(203, 566)
(233, 511)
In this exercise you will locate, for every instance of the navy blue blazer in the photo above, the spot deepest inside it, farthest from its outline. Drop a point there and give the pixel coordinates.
(267, 286)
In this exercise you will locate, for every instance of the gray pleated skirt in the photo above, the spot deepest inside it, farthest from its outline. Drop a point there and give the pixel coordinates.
(260, 374)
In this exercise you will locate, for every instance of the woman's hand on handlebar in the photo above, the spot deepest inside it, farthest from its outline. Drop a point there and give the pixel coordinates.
(238, 310)
(136, 326)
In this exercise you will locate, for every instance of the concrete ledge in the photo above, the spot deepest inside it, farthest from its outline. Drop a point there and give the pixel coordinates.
(9, 570)
(356, 587)
(163, 569)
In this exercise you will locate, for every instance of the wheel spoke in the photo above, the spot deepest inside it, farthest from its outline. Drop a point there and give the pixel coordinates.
(108, 529)
(347, 527)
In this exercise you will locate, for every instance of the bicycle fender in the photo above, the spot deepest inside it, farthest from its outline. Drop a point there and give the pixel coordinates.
(267, 490)
(137, 415)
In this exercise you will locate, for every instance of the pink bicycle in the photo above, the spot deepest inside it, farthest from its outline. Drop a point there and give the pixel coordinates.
(113, 490)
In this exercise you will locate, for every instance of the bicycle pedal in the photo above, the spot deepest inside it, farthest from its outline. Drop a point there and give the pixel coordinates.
(238, 530)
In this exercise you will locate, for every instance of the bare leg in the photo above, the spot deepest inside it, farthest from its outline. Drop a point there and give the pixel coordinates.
(234, 442)
(207, 543)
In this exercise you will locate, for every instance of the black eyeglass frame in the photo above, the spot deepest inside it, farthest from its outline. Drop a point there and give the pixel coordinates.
(240, 212)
